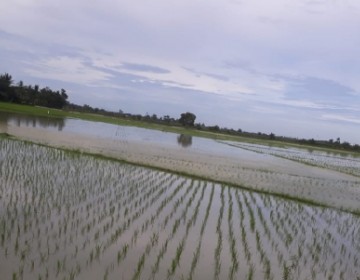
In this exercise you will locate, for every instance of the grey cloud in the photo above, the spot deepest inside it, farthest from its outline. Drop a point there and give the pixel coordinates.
(241, 64)
(200, 73)
(144, 68)
(175, 84)
(321, 90)
(137, 80)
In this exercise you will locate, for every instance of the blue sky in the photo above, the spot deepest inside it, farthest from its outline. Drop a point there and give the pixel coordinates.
(287, 67)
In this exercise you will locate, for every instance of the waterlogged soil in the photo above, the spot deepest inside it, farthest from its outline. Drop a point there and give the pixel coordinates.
(72, 216)
(298, 174)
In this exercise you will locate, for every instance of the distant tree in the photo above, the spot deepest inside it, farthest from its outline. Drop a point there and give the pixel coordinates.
(5, 82)
(154, 117)
(6, 92)
(187, 119)
(272, 136)
(214, 128)
(63, 94)
(166, 119)
(199, 126)
(346, 145)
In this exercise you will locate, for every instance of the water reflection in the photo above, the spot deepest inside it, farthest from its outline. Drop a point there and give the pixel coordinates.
(31, 121)
(184, 140)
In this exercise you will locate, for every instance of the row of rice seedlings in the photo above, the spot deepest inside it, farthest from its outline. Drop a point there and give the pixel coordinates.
(177, 204)
(190, 223)
(140, 187)
(154, 217)
(153, 241)
(65, 230)
(56, 232)
(346, 163)
(244, 234)
(122, 227)
(268, 237)
(251, 214)
(303, 187)
(101, 249)
(164, 247)
(218, 248)
(319, 249)
(138, 234)
(289, 224)
(121, 255)
(18, 234)
(232, 241)
(285, 236)
(141, 210)
(249, 205)
(196, 255)
(128, 222)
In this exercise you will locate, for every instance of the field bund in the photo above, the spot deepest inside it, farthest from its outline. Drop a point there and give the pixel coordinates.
(252, 169)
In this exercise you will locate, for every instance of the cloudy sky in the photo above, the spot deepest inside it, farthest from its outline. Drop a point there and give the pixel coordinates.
(287, 67)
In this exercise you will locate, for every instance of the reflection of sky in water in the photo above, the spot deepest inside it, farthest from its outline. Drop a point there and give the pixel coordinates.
(126, 133)
(130, 133)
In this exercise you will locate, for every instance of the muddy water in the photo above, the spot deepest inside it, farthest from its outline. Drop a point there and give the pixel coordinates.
(78, 217)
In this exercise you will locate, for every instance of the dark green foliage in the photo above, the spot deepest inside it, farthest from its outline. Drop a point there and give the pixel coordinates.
(30, 95)
(6, 91)
(187, 119)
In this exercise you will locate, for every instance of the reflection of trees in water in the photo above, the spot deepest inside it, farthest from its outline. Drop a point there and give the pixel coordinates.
(58, 123)
(184, 140)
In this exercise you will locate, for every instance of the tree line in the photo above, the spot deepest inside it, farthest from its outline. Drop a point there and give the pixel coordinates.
(46, 97)
(31, 95)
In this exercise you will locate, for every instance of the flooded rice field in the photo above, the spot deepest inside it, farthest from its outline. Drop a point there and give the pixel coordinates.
(342, 162)
(322, 178)
(65, 215)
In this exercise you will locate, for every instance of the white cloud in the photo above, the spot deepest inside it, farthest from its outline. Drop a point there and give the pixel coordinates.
(341, 118)
(67, 69)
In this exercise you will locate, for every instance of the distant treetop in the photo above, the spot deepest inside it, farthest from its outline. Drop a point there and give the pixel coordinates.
(187, 119)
